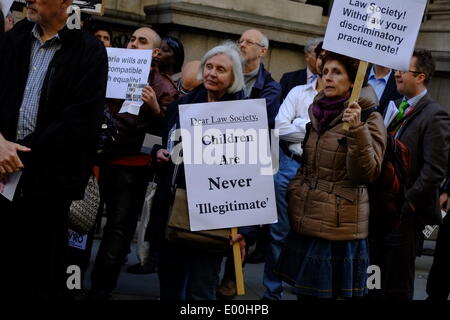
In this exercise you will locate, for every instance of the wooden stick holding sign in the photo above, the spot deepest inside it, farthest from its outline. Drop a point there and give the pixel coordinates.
(238, 265)
(357, 86)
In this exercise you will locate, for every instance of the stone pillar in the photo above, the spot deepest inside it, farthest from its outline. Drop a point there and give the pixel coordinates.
(111, 4)
(438, 10)
(132, 6)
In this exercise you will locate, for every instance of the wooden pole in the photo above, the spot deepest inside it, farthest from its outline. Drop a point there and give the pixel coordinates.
(238, 265)
(357, 86)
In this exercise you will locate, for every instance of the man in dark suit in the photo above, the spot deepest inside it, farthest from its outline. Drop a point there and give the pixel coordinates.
(292, 79)
(383, 82)
(52, 89)
(424, 126)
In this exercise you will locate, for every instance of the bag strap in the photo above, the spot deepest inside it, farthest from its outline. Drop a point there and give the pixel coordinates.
(175, 172)
(308, 127)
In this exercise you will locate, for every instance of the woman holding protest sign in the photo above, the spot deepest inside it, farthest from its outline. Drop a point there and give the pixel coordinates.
(326, 254)
(186, 271)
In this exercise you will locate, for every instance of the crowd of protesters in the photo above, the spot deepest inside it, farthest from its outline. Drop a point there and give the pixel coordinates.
(330, 228)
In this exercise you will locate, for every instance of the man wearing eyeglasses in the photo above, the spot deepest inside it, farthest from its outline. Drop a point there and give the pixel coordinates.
(258, 81)
(424, 126)
(253, 45)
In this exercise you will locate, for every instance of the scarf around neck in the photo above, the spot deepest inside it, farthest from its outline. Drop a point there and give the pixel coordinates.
(326, 110)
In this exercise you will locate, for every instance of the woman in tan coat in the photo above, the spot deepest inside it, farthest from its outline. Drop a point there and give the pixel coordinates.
(326, 253)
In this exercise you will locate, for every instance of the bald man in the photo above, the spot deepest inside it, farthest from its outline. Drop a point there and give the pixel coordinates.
(125, 171)
(258, 81)
(253, 45)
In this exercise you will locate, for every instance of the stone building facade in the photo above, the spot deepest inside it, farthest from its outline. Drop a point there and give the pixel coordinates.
(201, 24)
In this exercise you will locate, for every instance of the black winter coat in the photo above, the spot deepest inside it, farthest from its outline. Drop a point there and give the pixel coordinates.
(426, 132)
(70, 110)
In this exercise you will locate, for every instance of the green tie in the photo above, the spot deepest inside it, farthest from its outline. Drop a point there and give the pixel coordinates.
(401, 111)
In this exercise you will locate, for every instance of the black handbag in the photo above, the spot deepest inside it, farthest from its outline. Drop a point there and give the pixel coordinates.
(108, 132)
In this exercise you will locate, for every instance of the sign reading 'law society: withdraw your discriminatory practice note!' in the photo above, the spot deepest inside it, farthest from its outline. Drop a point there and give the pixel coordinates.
(127, 67)
(225, 154)
(383, 32)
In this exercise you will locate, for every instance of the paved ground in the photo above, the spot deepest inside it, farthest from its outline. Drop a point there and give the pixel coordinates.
(146, 287)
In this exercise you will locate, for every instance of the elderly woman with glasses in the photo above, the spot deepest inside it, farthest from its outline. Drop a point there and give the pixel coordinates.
(186, 272)
(326, 254)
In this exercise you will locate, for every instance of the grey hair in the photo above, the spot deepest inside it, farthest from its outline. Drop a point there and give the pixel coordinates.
(230, 49)
(311, 44)
(264, 41)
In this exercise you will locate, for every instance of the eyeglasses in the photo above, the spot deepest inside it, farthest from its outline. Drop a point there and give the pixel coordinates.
(248, 42)
(402, 72)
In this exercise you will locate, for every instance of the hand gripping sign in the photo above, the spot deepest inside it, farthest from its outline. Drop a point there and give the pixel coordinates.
(382, 32)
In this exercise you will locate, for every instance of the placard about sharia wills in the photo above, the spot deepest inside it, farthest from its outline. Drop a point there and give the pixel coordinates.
(127, 68)
(227, 163)
(382, 32)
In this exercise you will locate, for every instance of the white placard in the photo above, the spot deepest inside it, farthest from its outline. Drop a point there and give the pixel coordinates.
(131, 107)
(6, 5)
(8, 189)
(149, 142)
(225, 154)
(126, 66)
(383, 32)
(391, 113)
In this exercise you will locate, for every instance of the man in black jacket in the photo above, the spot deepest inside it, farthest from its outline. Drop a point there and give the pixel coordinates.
(292, 79)
(2, 22)
(438, 284)
(424, 126)
(52, 89)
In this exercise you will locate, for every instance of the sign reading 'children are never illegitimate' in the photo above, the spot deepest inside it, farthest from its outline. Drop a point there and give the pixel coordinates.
(228, 165)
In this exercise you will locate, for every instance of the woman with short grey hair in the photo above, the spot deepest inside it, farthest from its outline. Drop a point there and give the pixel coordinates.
(229, 49)
(186, 272)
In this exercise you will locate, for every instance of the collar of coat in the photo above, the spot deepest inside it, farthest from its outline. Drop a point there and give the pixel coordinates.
(367, 99)
(420, 105)
(24, 29)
